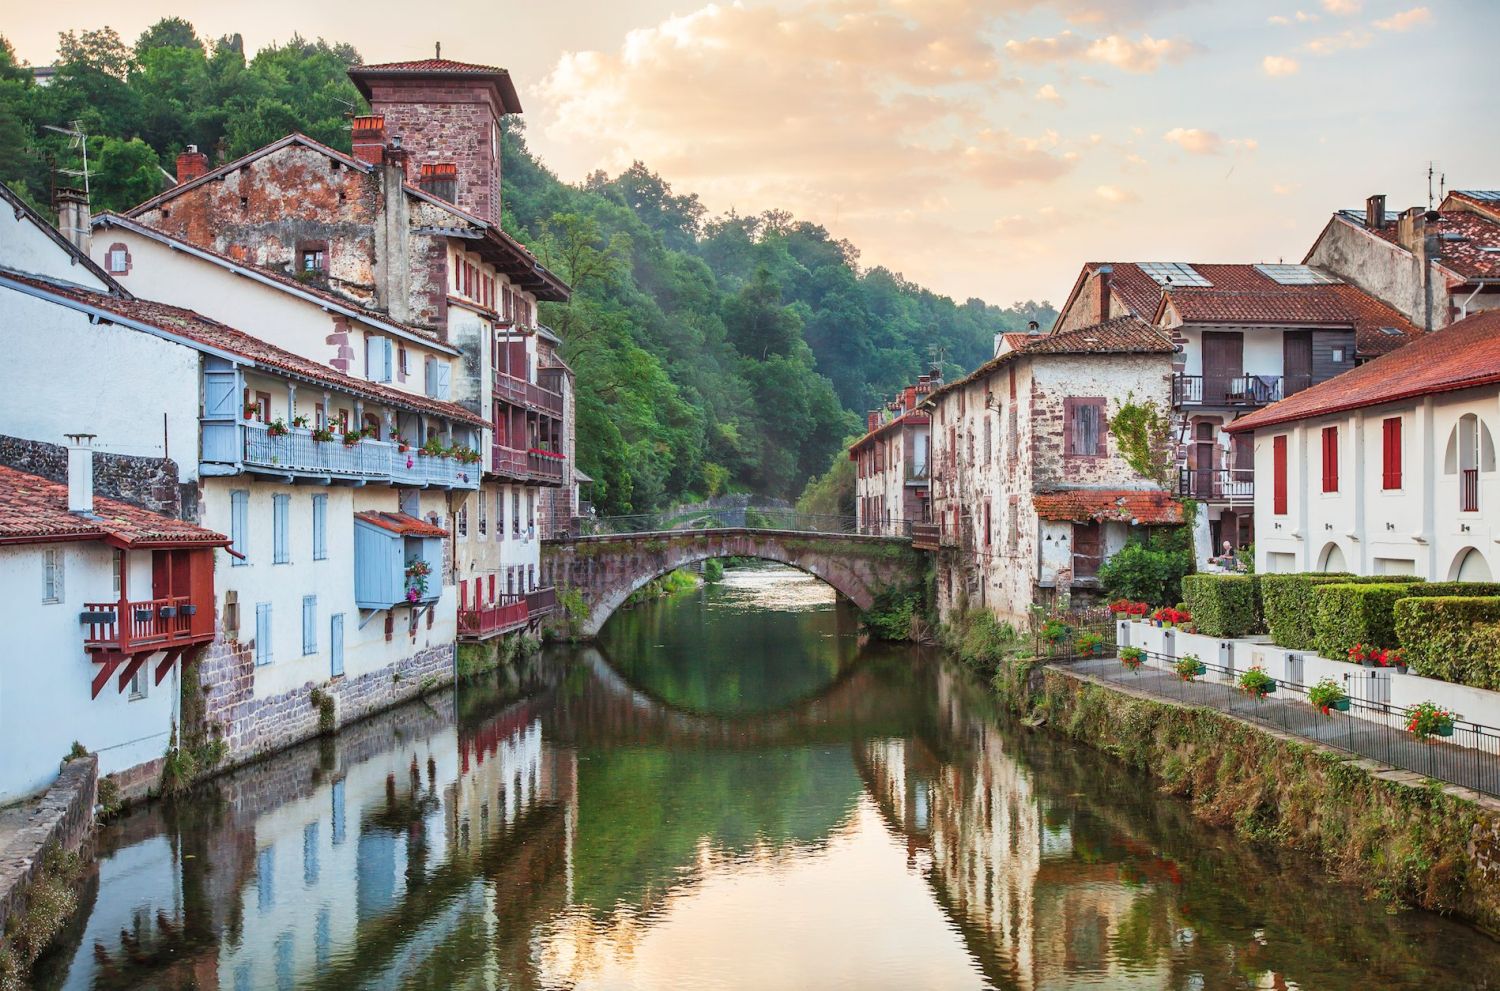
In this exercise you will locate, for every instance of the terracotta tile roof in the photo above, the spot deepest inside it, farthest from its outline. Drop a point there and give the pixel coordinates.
(1463, 253)
(428, 65)
(1336, 305)
(407, 526)
(199, 329)
(1083, 505)
(1484, 200)
(35, 510)
(1460, 356)
(505, 89)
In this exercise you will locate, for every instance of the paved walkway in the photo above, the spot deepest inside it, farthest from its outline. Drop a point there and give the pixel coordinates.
(1376, 734)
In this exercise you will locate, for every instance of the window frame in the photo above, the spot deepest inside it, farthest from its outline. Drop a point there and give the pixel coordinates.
(1071, 407)
(1391, 454)
(1279, 475)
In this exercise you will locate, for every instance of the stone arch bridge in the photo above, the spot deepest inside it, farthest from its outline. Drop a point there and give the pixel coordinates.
(605, 569)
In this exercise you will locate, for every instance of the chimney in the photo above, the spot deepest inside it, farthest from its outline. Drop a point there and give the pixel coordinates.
(369, 138)
(1375, 212)
(73, 216)
(397, 156)
(1033, 328)
(440, 179)
(191, 164)
(872, 420)
(1104, 272)
(935, 376)
(81, 474)
(392, 263)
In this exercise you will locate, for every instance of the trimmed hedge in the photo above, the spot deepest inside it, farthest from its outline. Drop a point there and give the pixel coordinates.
(1347, 613)
(1453, 638)
(1287, 601)
(1223, 605)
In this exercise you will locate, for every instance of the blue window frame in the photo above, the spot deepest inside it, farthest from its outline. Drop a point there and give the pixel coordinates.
(320, 527)
(281, 506)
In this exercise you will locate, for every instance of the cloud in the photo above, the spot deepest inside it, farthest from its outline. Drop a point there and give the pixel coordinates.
(1343, 8)
(1114, 194)
(999, 160)
(1066, 45)
(1195, 141)
(1333, 43)
(1049, 94)
(1405, 19)
(1300, 17)
(1279, 65)
(1142, 55)
(1285, 188)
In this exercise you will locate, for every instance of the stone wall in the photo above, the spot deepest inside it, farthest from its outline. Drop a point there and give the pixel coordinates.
(62, 818)
(151, 483)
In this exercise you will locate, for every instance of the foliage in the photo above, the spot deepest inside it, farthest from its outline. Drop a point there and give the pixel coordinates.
(672, 583)
(831, 493)
(983, 642)
(1326, 694)
(1090, 643)
(1346, 614)
(1143, 434)
(1146, 572)
(1429, 719)
(182, 766)
(1055, 631)
(713, 570)
(1188, 667)
(1223, 605)
(1132, 657)
(897, 612)
(1287, 599)
(327, 715)
(417, 573)
(50, 902)
(1452, 638)
(1256, 682)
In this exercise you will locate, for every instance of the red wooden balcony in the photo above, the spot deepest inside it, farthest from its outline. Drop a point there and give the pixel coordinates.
(528, 394)
(544, 466)
(508, 461)
(541, 601)
(484, 621)
(157, 624)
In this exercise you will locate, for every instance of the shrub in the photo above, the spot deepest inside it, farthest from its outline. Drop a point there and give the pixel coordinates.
(1151, 574)
(981, 641)
(1286, 601)
(1452, 638)
(1346, 613)
(1223, 605)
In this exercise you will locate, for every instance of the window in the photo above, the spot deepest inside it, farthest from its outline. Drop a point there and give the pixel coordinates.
(139, 682)
(52, 574)
(1278, 475)
(1083, 427)
(483, 517)
(1330, 459)
(262, 633)
(515, 512)
(987, 530)
(1390, 461)
(258, 406)
(309, 624)
(117, 571)
(320, 527)
(462, 518)
(314, 260)
(231, 621)
(1013, 434)
(1013, 525)
(989, 440)
(530, 513)
(531, 578)
(280, 524)
(379, 357)
(118, 259)
(404, 361)
(500, 515)
(438, 378)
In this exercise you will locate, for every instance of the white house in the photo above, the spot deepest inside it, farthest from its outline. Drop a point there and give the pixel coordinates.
(892, 462)
(1389, 468)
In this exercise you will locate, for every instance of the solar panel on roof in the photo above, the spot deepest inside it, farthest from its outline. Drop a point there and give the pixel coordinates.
(1173, 274)
(1295, 275)
(1492, 195)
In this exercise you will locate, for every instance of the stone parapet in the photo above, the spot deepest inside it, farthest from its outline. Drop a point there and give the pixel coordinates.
(62, 818)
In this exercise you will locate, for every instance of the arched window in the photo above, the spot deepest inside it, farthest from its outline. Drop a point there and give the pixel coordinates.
(1469, 566)
(1332, 560)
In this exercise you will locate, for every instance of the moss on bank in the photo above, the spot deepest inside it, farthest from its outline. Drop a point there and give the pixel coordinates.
(1412, 842)
(475, 659)
(50, 903)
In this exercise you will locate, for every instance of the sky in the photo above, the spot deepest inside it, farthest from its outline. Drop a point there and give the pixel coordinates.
(983, 149)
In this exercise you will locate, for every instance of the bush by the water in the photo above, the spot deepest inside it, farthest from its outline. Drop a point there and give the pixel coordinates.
(1288, 605)
(983, 642)
(713, 570)
(1223, 605)
(1146, 573)
(1453, 638)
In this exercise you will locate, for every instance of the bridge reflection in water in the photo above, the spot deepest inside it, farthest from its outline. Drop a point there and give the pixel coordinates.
(578, 829)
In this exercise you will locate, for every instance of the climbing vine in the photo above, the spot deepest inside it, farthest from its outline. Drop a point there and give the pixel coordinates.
(1143, 434)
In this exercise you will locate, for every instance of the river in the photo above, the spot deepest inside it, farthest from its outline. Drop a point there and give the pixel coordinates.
(730, 790)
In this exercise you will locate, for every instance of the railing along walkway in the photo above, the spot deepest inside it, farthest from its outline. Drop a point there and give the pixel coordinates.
(752, 517)
(1470, 760)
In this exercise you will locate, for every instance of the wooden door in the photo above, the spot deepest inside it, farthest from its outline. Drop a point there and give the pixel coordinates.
(1296, 361)
(1223, 365)
(1086, 548)
(1205, 462)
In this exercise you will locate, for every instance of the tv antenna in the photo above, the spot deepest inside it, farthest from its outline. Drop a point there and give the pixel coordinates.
(77, 138)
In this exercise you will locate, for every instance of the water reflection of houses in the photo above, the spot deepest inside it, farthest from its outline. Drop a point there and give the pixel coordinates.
(1037, 908)
(371, 859)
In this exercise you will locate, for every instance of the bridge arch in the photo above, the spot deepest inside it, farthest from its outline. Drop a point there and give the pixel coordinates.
(605, 570)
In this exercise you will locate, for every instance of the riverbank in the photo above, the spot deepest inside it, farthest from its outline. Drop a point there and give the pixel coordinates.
(1400, 835)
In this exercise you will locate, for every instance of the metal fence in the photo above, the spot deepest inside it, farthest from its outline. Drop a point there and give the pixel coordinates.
(1061, 642)
(1469, 758)
(753, 517)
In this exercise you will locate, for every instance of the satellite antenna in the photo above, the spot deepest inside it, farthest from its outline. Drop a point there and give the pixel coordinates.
(77, 138)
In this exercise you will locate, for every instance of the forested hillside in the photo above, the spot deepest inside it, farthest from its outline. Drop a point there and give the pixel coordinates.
(713, 353)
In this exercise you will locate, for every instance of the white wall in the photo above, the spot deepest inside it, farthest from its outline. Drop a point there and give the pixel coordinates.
(480, 555)
(25, 248)
(46, 675)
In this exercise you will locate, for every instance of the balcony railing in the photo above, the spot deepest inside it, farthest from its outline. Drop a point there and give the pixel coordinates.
(147, 624)
(1468, 490)
(926, 536)
(295, 452)
(509, 612)
(541, 601)
(543, 467)
(1223, 390)
(1225, 484)
(508, 461)
(917, 473)
(528, 394)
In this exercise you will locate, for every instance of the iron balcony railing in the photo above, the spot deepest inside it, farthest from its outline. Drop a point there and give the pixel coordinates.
(917, 472)
(1221, 390)
(506, 613)
(1468, 490)
(130, 627)
(523, 393)
(296, 452)
(1224, 484)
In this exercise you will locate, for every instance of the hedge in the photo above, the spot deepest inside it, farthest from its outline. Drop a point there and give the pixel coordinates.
(1223, 605)
(1347, 613)
(1453, 638)
(1287, 602)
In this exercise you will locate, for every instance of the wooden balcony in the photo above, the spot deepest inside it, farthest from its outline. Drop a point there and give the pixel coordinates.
(1227, 390)
(544, 467)
(528, 394)
(925, 536)
(507, 613)
(541, 601)
(1236, 485)
(509, 462)
(125, 634)
(295, 454)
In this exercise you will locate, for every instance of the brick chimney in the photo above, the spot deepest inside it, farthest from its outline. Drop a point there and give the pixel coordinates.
(191, 164)
(1375, 212)
(440, 179)
(1104, 273)
(369, 138)
(73, 219)
(81, 474)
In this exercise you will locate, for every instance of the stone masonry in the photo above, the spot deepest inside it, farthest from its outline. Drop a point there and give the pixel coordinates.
(151, 483)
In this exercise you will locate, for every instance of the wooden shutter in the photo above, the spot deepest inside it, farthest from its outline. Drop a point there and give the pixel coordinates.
(431, 377)
(336, 645)
(263, 633)
(1330, 459)
(320, 527)
(1390, 430)
(1070, 427)
(309, 624)
(1278, 473)
(239, 525)
(280, 524)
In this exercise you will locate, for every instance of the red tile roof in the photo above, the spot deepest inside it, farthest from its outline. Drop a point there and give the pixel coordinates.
(407, 526)
(35, 510)
(1460, 356)
(505, 89)
(428, 65)
(1083, 505)
(1462, 252)
(199, 329)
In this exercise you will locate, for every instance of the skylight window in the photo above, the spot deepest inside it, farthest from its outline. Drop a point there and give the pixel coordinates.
(1392, 331)
(1174, 274)
(1295, 275)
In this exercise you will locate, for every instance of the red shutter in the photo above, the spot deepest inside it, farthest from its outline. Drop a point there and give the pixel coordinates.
(1278, 472)
(1330, 459)
(1391, 435)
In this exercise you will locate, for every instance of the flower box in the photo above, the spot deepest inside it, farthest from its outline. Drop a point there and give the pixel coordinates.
(168, 612)
(143, 615)
(1342, 705)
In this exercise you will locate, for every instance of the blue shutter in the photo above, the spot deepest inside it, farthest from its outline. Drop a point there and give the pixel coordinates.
(309, 624)
(263, 633)
(336, 645)
(221, 394)
(320, 527)
(239, 525)
(281, 505)
(444, 384)
(388, 349)
(372, 352)
(431, 377)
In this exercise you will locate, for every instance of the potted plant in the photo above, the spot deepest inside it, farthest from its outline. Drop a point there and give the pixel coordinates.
(1364, 655)
(1256, 683)
(277, 428)
(417, 571)
(251, 409)
(1132, 658)
(434, 447)
(1054, 631)
(1394, 658)
(1091, 644)
(1189, 667)
(400, 442)
(1138, 611)
(323, 435)
(352, 437)
(1327, 696)
(1428, 719)
(300, 422)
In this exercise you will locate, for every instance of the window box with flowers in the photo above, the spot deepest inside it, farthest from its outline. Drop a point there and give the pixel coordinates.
(1090, 644)
(322, 435)
(1256, 683)
(1327, 696)
(1370, 656)
(1131, 658)
(1190, 667)
(1428, 719)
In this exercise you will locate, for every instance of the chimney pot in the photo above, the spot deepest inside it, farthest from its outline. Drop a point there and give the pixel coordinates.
(81, 474)
(1375, 212)
(369, 138)
(191, 164)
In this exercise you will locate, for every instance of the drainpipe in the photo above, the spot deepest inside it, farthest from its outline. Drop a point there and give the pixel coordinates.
(1463, 308)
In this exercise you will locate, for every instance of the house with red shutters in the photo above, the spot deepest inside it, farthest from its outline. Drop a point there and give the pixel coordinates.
(892, 462)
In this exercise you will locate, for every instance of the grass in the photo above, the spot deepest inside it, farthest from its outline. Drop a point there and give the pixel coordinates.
(51, 901)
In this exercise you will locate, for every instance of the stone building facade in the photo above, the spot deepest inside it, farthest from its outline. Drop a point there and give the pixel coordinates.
(892, 462)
